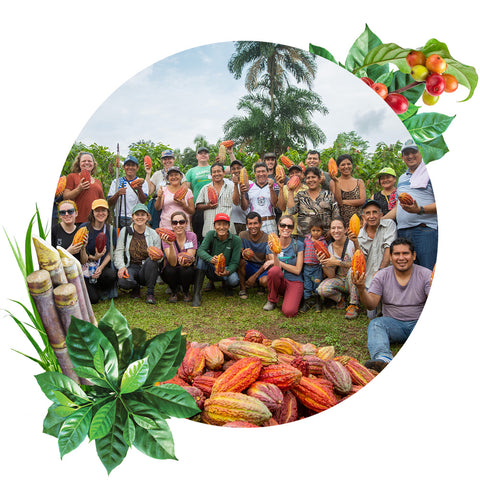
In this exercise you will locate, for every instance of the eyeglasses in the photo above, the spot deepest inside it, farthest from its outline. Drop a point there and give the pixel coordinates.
(70, 211)
(286, 225)
(179, 222)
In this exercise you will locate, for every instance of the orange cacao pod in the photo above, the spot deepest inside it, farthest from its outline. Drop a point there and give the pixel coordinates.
(225, 343)
(239, 376)
(244, 176)
(288, 411)
(137, 183)
(302, 166)
(81, 236)
(100, 242)
(226, 407)
(287, 345)
(354, 224)
(241, 348)
(222, 153)
(181, 192)
(314, 395)
(228, 143)
(336, 373)
(62, 183)
(205, 383)
(254, 336)
(332, 167)
(186, 257)
(240, 424)
(286, 161)
(85, 176)
(147, 161)
(166, 231)
(248, 253)
(358, 262)
(279, 171)
(267, 393)
(212, 195)
(320, 247)
(405, 198)
(155, 253)
(176, 380)
(213, 357)
(360, 374)
(283, 375)
(220, 264)
(294, 182)
(326, 353)
(275, 241)
(193, 364)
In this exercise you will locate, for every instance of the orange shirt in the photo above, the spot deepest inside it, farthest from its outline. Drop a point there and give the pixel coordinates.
(85, 198)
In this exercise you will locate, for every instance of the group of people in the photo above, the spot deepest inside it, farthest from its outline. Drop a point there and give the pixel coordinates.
(398, 240)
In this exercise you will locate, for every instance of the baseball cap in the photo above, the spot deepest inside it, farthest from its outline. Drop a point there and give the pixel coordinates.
(409, 144)
(372, 202)
(269, 155)
(221, 216)
(99, 202)
(138, 207)
(130, 158)
(167, 153)
(173, 169)
(295, 167)
(202, 149)
(233, 162)
(387, 171)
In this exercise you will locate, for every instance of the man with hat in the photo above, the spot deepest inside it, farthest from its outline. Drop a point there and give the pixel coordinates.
(417, 222)
(387, 196)
(159, 178)
(239, 197)
(217, 241)
(125, 197)
(374, 239)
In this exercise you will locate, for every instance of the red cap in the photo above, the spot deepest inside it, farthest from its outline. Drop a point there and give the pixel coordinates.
(221, 216)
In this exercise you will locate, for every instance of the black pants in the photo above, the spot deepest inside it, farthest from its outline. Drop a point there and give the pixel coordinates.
(145, 274)
(197, 225)
(178, 276)
(104, 283)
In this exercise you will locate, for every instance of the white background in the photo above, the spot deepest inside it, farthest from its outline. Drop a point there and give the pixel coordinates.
(420, 418)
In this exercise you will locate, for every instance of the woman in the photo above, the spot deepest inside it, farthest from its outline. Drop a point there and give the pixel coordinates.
(84, 192)
(167, 203)
(386, 197)
(349, 192)
(337, 267)
(131, 257)
(98, 269)
(285, 270)
(312, 203)
(178, 270)
(64, 231)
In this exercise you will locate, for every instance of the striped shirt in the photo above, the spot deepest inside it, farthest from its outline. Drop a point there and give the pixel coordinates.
(309, 252)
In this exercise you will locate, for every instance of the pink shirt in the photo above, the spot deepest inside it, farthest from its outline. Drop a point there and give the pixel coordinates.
(170, 206)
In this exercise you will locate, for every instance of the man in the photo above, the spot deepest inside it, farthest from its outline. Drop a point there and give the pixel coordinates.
(262, 197)
(239, 199)
(196, 178)
(270, 161)
(125, 197)
(313, 160)
(223, 205)
(374, 239)
(417, 222)
(403, 289)
(159, 178)
(216, 241)
(252, 269)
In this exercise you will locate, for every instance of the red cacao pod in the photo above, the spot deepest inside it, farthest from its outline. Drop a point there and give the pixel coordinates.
(185, 258)
(147, 161)
(239, 376)
(155, 253)
(294, 182)
(100, 242)
(288, 411)
(138, 182)
(247, 253)
(332, 168)
(220, 264)
(85, 176)
(62, 183)
(320, 247)
(214, 357)
(197, 395)
(228, 143)
(358, 262)
(336, 373)
(254, 336)
(166, 231)
(181, 192)
(193, 363)
(282, 375)
(405, 198)
(212, 195)
(313, 395)
(286, 161)
(268, 393)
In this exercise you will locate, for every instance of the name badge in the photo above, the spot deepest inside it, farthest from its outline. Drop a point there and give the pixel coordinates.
(188, 245)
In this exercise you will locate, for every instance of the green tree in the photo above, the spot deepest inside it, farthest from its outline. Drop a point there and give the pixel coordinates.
(269, 66)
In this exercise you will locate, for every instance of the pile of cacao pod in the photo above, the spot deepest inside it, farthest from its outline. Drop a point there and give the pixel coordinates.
(252, 381)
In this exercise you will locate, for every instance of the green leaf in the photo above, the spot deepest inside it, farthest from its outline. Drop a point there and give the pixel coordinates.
(83, 340)
(129, 432)
(387, 53)
(63, 399)
(53, 421)
(74, 430)
(165, 351)
(172, 400)
(114, 319)
(99, 360)
(95, 377)
(144, 422)
(63, 411)
(424, 127)
(434, 149)
(50, 382)
(140, 406)
(401, 80)
(102, 421)
(112, 448)
(134, 376)
(412, 110)
(321, 52)
(156, 443)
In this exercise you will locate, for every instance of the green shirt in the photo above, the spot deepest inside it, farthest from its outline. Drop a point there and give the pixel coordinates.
(198, 177)
(231, 249)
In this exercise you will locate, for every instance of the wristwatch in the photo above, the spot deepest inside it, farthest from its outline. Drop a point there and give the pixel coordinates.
(421, 211)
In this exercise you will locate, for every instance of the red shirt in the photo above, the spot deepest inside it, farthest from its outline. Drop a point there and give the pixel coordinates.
(86, 197)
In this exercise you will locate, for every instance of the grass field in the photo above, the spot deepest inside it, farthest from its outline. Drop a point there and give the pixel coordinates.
(220, 317)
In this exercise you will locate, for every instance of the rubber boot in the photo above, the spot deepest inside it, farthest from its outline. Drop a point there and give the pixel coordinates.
(227, 289)
(197, 288)
(318, 303)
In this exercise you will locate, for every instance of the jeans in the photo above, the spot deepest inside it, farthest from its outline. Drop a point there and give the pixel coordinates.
(232, 280)
(312, 276)
(382, 331)
(425, 240)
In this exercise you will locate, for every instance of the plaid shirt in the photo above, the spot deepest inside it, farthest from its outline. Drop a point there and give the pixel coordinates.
(309, 256)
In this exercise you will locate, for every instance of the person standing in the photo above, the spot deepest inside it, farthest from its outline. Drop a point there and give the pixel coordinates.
(387, 196)
(313, 160)
(240, 203)
(159, 178)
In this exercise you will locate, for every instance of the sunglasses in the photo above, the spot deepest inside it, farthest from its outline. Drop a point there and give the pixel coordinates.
(70, 211)
(286, 225)
(179, 222)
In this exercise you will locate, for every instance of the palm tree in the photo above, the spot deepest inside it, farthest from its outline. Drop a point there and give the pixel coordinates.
(270, 65)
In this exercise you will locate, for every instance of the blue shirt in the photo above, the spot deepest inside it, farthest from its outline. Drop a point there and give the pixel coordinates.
(289, 256)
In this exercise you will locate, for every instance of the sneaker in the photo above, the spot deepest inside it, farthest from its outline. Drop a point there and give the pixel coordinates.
(135, 293)
(173, 298)
(307, 305)
(341, 304)
(243, 294)
(187, 297)
(150, 299)
(377, 365)
(209, 287)
(352, 312)
(269, 306)
(261, 291)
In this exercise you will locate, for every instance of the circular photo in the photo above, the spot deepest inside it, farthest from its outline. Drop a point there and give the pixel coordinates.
(268, 204)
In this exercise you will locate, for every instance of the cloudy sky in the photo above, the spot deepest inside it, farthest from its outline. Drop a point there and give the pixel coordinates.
(193, 93)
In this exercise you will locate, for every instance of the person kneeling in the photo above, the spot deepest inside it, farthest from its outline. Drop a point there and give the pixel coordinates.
(217, 241)
(403, 289)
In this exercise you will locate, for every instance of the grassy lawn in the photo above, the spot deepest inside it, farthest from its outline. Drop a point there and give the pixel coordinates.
(220, 317)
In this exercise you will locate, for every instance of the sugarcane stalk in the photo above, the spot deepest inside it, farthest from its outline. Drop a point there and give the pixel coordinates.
(66, 301)
(41, 290)
(49, 260)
